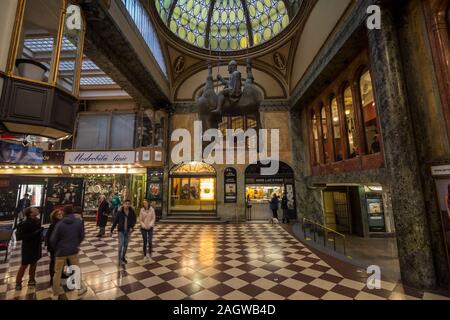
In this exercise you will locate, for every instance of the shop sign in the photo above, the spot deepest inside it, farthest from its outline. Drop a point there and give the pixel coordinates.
(230, 179)
(441, 170)
(97, 158)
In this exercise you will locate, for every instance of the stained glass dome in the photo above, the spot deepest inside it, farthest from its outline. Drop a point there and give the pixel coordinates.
(226, 25)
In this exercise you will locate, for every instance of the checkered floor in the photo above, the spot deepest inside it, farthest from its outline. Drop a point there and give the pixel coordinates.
(232, 262)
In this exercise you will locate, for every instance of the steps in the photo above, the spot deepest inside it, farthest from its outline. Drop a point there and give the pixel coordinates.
(192, 218)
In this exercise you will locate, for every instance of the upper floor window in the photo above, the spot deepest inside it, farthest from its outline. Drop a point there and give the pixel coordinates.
(240, 122)
(350, 122)
(336, 130)
(315, 131)
(324, 122)
(369, 113)
(105, 131)
(346, 126)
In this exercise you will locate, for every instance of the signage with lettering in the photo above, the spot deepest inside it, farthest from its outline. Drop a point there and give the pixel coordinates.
(230, 180)
(96, 158)
(441, 170)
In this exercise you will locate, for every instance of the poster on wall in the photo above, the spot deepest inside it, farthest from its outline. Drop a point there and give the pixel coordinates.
(375, 210)
(443, 193)
(230, 179)
(18, 154)
(155, 180)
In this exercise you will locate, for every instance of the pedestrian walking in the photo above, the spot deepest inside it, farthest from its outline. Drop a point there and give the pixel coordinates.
(56, 216)
(147, 219)
(102, 216)
(125, 221)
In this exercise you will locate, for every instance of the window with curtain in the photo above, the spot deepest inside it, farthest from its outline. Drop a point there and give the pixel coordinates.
(350, 123)
(369, 113)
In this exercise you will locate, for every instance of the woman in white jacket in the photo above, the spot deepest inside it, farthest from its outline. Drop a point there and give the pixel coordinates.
(147, 218)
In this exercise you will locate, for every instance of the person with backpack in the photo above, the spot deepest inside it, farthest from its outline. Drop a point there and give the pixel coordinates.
(125, 221)
(30, 233)
(66, 239)
(102, 215)
(115, 204)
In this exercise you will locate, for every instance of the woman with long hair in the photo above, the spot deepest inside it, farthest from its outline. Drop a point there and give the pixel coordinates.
(147, 219)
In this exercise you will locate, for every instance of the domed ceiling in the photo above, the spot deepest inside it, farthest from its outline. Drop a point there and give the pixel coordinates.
(227, 25)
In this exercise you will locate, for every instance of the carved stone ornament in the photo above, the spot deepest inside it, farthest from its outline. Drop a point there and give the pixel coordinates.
(279, 60)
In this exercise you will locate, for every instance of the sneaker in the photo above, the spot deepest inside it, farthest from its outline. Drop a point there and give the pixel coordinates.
(124, 261)
(82, 291)
(18, 287)
(32, 283)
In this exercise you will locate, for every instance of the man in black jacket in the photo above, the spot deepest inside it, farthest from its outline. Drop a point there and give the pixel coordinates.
(30, 233)
(125, 221)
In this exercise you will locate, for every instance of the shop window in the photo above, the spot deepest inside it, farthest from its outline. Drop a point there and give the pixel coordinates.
(315, 133)
(369, 114)
(105, 131)
(337, 139)
(36, 53)
(350, 123)
(324, 119)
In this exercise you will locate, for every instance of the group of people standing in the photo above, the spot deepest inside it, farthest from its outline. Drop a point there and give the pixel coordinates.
(66, 233)
(63, 239)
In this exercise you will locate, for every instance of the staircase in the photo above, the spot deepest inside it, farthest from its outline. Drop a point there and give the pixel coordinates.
(192, 218)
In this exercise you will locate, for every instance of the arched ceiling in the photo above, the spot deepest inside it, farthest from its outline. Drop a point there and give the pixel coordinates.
(279, 63)
(225, 25)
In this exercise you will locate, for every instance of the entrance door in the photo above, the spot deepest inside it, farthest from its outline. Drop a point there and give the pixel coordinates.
(337, 211)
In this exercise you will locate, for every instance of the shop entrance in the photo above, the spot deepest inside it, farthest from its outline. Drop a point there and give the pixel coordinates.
(193, 189)
(342, 210)
(260, 189)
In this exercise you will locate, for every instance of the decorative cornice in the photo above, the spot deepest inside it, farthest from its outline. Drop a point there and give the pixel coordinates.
(266, 106)
(346, 33)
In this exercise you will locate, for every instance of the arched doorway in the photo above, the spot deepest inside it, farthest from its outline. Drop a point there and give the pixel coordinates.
(260, 188)
(193, 189)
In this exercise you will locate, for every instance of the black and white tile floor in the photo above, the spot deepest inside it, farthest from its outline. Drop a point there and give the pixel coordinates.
(232, 262)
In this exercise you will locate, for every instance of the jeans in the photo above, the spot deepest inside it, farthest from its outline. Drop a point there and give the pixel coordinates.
(147, 236)
(124, 237)
(59, 266)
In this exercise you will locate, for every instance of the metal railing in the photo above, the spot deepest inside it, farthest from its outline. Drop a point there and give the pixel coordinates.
(316, 229)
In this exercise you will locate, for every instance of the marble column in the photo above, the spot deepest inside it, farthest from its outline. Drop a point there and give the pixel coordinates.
(309, 201)
(415, 254)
